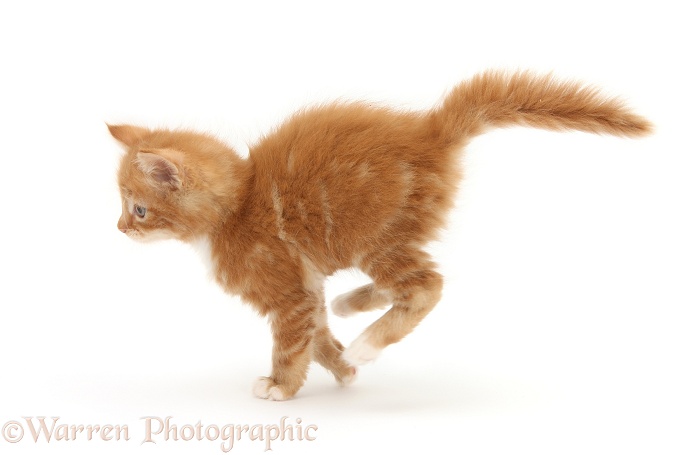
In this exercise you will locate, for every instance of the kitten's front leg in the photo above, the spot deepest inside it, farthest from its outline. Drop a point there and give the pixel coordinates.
(293, 332)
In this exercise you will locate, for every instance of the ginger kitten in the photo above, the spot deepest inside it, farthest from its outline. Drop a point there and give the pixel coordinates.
(334, 187)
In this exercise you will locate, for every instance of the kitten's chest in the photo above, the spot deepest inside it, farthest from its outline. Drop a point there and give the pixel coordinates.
(204, 250)
(220, 267)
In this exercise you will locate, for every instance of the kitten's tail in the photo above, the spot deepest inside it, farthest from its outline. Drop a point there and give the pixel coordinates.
(496, 99)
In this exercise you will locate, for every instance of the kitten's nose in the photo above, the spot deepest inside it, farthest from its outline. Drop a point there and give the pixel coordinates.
(122, 225)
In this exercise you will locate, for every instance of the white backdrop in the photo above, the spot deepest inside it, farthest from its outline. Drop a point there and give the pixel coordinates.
(555, 331)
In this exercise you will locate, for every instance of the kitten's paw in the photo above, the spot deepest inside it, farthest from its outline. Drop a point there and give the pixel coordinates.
(340, 306)
(361, 351)
(349, 378)
(265, 388)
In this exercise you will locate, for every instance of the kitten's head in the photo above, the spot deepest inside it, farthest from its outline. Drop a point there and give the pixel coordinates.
(175, 184)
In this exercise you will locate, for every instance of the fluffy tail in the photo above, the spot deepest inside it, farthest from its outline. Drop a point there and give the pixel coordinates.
(495, 99)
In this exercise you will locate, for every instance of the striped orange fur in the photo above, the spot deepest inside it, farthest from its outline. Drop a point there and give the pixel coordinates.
(336, 186)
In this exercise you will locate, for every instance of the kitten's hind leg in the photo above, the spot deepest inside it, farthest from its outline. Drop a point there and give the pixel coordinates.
(415, 287)
(328, 352)
(365, 298)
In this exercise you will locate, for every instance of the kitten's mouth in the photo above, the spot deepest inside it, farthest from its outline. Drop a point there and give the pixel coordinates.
(136, 236)
(149, 236)
(131, 233)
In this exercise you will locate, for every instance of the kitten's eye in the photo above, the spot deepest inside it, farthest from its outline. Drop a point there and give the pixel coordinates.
(140, 211)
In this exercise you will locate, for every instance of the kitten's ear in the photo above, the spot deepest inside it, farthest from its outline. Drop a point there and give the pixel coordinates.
(128, 135)
(161, 170)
